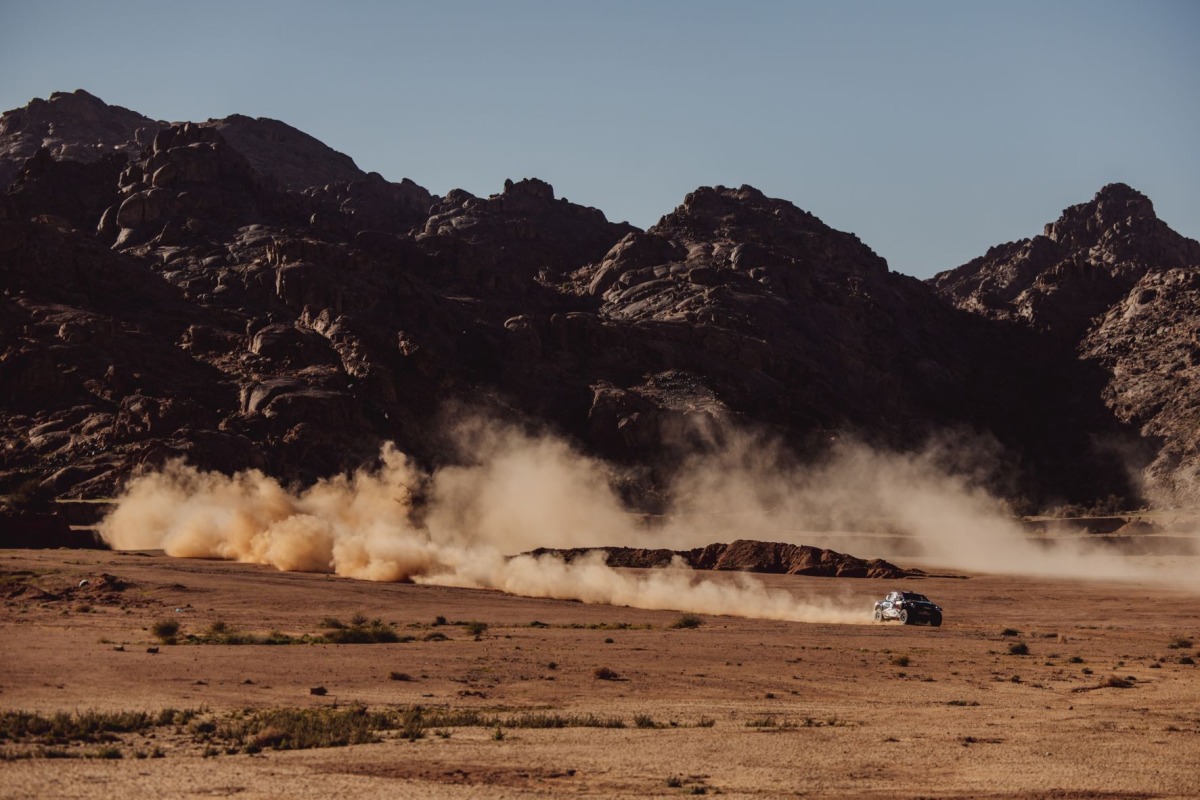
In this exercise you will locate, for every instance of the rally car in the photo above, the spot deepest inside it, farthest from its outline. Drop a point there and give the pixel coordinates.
(908, 607)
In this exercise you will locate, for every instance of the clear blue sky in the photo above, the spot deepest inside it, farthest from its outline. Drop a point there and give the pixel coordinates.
(933, 130)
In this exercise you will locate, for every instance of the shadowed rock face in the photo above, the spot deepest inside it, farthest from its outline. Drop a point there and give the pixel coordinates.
(292, 157)
(1149, 341)
(184, 300)
(1112, 284)
(744, 555)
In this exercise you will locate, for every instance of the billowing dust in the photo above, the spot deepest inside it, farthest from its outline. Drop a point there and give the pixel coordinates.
(461, 525)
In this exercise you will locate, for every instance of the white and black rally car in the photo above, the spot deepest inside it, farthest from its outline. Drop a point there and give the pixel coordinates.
(909, 608)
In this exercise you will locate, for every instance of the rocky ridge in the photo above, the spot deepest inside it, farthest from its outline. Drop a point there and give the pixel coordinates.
(742, 555)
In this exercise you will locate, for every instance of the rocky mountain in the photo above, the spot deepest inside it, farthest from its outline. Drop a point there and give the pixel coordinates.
(236, 293)
(738, 305)
(1113, 285)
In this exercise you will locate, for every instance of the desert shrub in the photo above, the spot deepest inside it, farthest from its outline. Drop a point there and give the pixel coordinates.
(687, 621)
(1010, 632)
(1180, 643)
(165, 630)
(901, 661)
(674, 782)
(436, 636)
(64, 728)
(705, 722)
(477, 629)
(302, 729)
(538, 624)
(643, 721)
(610, 640)
(763, 722)
(400, 676)
(1074, 660)
(606, 674)
(362, 631)
(552, 665)
(1186, 660)
(559, 721)
(1018, 649)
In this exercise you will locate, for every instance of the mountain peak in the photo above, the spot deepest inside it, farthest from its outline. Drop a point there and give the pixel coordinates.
(1086, 223)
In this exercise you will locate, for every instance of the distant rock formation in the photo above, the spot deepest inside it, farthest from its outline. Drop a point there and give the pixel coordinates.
(743, 555)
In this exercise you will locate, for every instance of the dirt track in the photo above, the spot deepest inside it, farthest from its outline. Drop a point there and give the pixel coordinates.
(857, 710)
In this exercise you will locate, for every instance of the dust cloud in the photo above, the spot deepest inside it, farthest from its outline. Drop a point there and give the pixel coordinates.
(930, 505)
(520, 492)
(511, 492)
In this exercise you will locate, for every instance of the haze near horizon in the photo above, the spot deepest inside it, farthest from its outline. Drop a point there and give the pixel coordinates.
(931, 130)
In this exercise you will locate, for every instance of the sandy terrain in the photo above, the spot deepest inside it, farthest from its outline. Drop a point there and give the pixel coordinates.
(857, 710)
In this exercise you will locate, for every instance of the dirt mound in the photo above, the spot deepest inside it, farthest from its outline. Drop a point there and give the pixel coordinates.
(24, 586)
(744, 555)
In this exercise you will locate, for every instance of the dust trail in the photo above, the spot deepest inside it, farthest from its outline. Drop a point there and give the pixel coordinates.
(943, 515)
(511, 492)
(520, 492)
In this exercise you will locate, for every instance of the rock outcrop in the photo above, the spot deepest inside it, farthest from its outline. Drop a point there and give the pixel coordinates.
(743, 555)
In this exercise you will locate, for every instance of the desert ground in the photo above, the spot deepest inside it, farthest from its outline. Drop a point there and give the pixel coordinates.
(1104, 703)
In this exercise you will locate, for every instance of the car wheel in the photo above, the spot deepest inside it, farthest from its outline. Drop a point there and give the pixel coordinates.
(878, 615)
(936, 620)
(904, 616)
